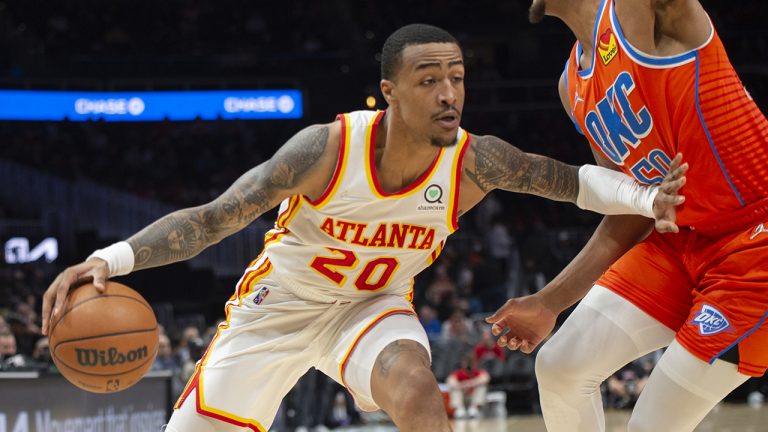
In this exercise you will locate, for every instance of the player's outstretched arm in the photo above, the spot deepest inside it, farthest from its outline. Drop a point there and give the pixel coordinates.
(496, 164)
(185, 233)
(305, 161)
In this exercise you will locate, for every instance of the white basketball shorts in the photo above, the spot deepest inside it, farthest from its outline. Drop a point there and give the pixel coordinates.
(272, 337)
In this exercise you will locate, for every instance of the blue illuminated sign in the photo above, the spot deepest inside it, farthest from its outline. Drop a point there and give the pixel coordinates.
(150, 106)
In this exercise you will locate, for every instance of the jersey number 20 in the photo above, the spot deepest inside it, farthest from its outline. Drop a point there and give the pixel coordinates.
(375, 274)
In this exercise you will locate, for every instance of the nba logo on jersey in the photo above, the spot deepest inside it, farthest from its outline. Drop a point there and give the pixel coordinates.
(607, 46)
(710, 321)
(261, 295)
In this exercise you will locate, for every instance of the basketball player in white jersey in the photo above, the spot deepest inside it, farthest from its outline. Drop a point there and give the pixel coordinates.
(367, 203)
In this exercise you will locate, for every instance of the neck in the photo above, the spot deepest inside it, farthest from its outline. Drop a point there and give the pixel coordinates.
(395, 139)
(400, 157)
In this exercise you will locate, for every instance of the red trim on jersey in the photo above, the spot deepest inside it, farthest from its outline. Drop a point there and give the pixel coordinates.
(372, 164)
(457, 181)
(202, 411)
(339, 162)
(191, 385)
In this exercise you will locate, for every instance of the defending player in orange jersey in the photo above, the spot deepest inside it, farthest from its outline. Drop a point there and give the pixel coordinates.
(645, 80)
(367, 203)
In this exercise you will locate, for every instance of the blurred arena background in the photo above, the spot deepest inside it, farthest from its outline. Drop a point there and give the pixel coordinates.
(80, 170)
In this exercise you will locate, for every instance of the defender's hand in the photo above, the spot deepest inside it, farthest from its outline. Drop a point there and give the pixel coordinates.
(94, 269)
(668, 196)
(522, 323)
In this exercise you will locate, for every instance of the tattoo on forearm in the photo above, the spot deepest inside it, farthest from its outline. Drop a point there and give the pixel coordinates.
(395, 350)
(501, 165)
(185, 233)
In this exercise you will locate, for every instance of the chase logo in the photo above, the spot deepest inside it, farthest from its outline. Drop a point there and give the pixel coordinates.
(607, 47)
(261, 295)
(710, 321)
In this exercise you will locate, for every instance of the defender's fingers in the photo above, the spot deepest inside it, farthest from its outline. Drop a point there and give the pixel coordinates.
(496, 329)
(676, 161)
(665, 199)
(674, 185)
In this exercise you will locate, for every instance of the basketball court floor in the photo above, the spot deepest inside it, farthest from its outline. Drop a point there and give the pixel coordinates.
(724, 418)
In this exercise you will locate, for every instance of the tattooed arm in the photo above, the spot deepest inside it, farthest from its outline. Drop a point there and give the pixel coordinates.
(303, 165)
(185, 233)
(496, 164)
(493, 163)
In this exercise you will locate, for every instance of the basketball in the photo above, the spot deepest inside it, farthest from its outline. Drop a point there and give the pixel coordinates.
(104, 343)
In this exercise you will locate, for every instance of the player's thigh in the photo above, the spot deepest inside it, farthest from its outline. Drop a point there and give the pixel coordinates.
(366, 332)
(653, 276)
(603, 333)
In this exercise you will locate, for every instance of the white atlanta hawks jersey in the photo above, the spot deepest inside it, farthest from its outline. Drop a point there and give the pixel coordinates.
(357, 240)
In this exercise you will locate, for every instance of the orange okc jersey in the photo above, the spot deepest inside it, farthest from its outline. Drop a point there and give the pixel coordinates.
(640, 110)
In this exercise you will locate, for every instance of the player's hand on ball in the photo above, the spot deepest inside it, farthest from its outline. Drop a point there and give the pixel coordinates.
(522, 323)
(94, 269)
(668, 197)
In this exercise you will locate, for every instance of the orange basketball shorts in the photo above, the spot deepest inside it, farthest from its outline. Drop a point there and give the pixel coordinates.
(712, 291)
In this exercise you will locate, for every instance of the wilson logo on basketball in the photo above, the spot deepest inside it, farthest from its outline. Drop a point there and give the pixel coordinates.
(110, 357)
(607, 46)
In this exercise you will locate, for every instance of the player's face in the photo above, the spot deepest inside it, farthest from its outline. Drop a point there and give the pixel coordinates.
(429, 91)
(536, 11)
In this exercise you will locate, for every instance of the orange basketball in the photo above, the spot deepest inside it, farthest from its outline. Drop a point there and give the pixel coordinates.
(104, 343)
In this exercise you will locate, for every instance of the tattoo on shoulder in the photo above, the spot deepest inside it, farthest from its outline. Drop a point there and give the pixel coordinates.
(297, 155)
(500, 165)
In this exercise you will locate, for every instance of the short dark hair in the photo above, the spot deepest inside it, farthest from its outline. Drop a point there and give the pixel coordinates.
(412, 34)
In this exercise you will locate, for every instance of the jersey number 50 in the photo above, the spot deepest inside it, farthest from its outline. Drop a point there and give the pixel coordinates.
(375, 274)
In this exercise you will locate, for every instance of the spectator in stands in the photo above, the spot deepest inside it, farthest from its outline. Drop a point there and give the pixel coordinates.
(4, 327)
(41, 355)
(468, 384)
(489, 355)
(457, 328)
(10, 358)
(432, 325)
(183, 350)
(194, 349)
(26, 332)
(165, 359)
(625, 386)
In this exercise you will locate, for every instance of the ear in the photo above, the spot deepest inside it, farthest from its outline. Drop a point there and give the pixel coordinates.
(388, 90)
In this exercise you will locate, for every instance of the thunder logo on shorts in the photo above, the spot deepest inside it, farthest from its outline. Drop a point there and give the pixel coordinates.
(710, 321)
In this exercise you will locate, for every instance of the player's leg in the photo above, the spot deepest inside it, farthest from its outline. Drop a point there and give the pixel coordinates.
(681, 391)
(403, 385)
(257, 355)
(724, 339)
(650, 294)
(382, 357)
(604, 333)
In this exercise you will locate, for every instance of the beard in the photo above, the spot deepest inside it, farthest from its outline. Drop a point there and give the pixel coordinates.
(440, 142)
(536, 11)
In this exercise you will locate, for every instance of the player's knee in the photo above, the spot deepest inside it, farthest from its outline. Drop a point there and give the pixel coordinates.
(554, 367)
(401, 356)
(414, 387)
